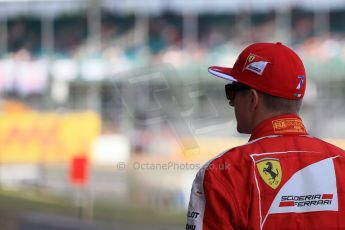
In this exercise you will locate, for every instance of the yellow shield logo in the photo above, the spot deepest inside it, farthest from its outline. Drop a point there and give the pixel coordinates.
(270, 171)
(251, 58)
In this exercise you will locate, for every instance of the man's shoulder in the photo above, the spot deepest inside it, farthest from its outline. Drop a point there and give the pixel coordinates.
(227, 169)
(332, 146)
(232, 156)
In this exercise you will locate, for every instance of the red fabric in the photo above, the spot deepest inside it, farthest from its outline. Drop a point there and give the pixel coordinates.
(234, 195)
(283, 76)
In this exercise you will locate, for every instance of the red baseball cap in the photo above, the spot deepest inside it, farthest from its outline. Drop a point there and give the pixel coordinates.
(272, 68)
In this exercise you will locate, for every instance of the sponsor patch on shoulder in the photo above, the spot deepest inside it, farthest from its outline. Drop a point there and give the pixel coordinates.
(255, 64)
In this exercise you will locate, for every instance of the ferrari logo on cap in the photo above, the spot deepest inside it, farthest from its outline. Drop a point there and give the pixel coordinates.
(251, 58)
(270, 171)
(255, 64)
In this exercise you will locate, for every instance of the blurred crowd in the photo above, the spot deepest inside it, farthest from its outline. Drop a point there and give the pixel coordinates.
(164, 40)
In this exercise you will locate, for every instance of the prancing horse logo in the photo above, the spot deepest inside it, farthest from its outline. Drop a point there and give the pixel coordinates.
(270, 171)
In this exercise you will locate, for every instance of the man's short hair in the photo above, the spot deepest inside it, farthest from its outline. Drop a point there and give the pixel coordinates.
(278, 104)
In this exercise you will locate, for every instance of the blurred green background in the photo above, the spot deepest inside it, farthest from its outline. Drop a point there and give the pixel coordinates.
(107, 110)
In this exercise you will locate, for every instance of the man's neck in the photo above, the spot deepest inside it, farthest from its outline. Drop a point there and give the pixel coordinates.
(260, 117)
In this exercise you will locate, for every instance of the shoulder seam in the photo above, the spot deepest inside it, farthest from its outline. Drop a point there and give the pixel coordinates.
(225, 185)
(231, 196)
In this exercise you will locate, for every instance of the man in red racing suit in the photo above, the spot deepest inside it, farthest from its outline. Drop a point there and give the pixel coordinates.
(282, 178)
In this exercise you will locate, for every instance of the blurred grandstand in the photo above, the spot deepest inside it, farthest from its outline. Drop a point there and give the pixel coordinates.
(126, 82)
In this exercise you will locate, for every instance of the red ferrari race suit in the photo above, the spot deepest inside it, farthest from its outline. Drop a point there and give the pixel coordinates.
(281, 179)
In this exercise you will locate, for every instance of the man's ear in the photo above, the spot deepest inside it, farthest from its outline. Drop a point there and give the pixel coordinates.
(254, 99)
